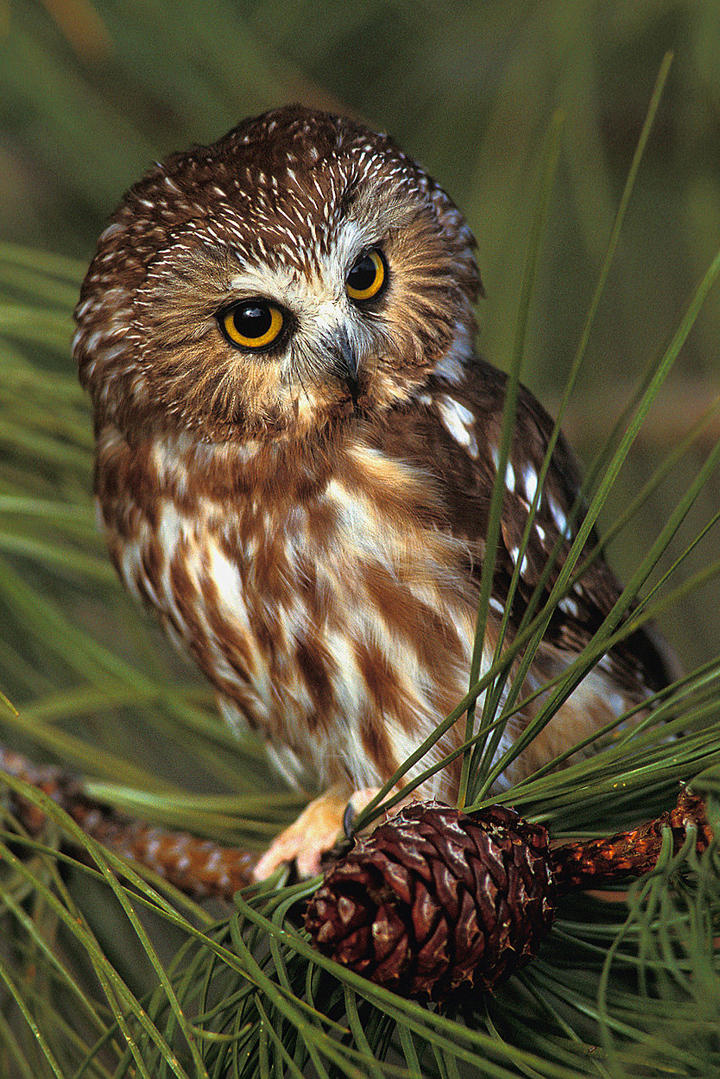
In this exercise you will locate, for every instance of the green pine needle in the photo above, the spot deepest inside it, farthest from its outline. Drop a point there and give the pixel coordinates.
(107, 971)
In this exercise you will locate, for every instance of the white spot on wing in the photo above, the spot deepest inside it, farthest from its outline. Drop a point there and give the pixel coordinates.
(530, 482)
(559, 518)
(459, 422)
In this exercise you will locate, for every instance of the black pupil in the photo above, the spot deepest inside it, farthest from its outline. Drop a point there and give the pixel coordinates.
(252, 320)
(363, 274)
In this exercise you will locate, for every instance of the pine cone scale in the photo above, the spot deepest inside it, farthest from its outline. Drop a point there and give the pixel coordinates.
(397, 877)
(446, 888)
(433, 956)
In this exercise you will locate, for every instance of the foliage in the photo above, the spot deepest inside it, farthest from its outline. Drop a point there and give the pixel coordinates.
(101, 975)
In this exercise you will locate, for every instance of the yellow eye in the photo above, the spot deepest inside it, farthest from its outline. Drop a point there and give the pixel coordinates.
(253, 324)
(367, 278)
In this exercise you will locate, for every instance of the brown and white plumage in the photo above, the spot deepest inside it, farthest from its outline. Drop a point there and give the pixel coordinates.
(308, 516)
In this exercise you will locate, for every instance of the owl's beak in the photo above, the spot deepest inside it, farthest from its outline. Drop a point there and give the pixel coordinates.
(345, 364)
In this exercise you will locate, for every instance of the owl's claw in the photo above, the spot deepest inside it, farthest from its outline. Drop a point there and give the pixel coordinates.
(356, 803)
(313, 833)
(348, 817)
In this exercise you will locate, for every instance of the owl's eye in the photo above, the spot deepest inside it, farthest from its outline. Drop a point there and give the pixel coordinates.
(367, 278)
(252, 324)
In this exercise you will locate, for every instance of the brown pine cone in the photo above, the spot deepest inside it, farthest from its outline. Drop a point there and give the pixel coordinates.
(435, 900)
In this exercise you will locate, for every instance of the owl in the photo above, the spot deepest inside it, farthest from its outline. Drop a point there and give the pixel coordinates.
(296, 446)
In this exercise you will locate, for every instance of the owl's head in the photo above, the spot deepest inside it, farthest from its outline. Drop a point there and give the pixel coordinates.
(299, 270)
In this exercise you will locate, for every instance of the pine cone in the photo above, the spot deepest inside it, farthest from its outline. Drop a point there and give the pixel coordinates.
(435, 900)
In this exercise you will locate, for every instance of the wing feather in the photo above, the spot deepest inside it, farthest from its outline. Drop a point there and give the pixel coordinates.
(455, 436)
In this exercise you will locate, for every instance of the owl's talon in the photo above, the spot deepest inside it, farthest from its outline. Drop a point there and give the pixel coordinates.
(314, 833)
(348, 817)
(359, 800)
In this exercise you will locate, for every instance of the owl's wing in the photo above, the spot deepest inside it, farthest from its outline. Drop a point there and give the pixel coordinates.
(461, 430)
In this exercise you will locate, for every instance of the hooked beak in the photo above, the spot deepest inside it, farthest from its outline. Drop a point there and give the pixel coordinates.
(345, 365)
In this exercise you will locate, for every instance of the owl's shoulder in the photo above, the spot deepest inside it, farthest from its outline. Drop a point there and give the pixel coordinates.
(453, 430)
(452, 434)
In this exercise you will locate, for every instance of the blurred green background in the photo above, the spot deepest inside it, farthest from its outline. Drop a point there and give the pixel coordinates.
(92, 92)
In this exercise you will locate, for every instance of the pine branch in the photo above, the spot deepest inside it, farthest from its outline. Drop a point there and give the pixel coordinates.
(434, 902)
(198, 867)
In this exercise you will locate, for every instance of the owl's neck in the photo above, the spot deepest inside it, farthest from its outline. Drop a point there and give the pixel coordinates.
(183, 468)
(280, 471)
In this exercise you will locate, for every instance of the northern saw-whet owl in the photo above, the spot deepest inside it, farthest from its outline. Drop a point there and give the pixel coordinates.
(296, 449)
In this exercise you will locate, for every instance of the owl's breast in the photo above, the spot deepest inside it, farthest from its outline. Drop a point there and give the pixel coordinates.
(336, 616)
